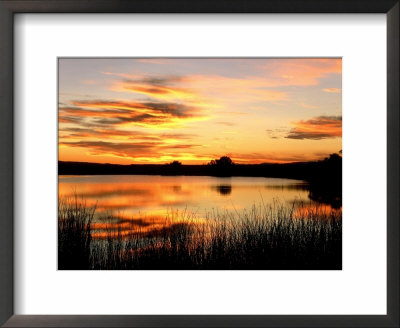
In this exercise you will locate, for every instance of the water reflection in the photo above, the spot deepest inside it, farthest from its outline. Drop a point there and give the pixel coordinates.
(223, 189)
(330, 195)
(128, 203)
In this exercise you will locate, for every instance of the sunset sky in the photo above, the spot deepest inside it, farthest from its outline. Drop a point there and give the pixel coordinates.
(158, 110)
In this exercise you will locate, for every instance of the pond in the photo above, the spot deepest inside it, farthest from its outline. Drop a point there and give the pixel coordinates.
(147, 199)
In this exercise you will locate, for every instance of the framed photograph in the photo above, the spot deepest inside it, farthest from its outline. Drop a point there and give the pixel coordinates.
(194, 165)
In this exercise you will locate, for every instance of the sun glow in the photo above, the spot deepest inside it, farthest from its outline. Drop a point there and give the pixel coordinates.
(194, 110)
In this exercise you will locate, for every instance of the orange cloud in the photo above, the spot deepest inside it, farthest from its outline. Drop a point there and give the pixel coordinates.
(302, 72)
(219, 88)
(195, 88)
(82, 112)
(147, 113)
(148, 107)
(111, 133)
(318, 128)
(240, 90)
(308, 106)
(134, 150)
(159, 87)
(256, 158)
(331, 90)
(157, 92)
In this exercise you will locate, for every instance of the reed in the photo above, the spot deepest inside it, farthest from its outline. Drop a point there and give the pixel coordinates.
(272, 237)
(74, 233)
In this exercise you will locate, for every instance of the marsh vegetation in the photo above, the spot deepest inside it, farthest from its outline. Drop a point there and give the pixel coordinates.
(266, 236)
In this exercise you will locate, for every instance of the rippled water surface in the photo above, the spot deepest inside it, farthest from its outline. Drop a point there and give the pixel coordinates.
(134, 196)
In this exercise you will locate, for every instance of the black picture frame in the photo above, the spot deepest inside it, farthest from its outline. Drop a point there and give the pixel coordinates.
(10, 7)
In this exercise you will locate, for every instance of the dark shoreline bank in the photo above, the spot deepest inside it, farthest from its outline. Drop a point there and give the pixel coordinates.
(327, 170)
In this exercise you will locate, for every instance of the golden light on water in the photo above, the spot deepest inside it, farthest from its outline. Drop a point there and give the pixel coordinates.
(130, 205)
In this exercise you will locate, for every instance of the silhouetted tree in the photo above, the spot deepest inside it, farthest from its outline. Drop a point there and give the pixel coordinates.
(222, 166)
(174, 168)
(225, 161)
(222, 161)
(175, 164)
(325, 179)
(334, 158)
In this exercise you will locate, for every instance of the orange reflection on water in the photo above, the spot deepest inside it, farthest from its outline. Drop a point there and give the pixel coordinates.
(316, 211)
(127, 205)
(124, 196)
(125, 228)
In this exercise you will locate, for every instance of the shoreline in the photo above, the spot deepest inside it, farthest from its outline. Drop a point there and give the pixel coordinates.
(313, 172)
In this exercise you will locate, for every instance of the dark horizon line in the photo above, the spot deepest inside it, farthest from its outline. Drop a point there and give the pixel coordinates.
(327, 171)
(203, 164)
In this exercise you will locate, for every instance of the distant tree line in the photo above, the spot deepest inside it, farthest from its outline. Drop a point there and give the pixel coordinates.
(328, 169)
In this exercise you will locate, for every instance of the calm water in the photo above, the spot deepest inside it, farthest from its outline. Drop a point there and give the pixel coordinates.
(139, 198)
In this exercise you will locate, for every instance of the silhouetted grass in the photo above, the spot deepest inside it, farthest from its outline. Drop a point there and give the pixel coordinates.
(264, 237)
(74, 234)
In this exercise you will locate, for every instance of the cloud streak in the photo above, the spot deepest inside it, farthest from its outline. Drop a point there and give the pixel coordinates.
(199, 88)
(159, 87)
(146, 113)
(331, 90)
(322, 127)
(128, 149)
(302, 72)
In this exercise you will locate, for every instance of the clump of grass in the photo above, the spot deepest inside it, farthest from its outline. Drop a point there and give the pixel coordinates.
(264, 237)
(74, 234)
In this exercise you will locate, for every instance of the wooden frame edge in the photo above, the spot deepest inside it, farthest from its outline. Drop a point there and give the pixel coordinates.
(9, 8)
